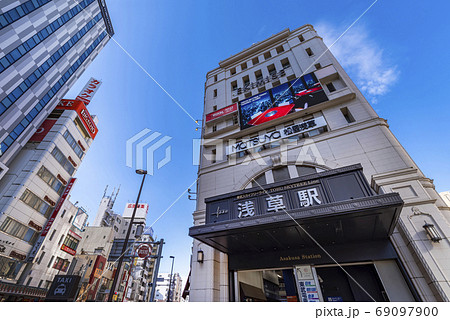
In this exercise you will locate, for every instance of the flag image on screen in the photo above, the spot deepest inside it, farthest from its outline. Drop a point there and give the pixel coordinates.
(281, 100)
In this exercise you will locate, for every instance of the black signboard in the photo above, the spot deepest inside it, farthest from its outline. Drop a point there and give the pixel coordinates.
(63, 288)
(305, 192)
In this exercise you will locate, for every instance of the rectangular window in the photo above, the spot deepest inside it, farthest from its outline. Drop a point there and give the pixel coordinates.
(41, 257)
(280, 49)
(317, 66)
(215, 93)
(267, 55)
(71, 242)
(63, 213)
(18, 230)
(233, 71)
(244, 66)
(73, 144)
(51, 180)
(63, 161)
(36, 203)
(285, 63)
(301, 38)
(50, 262)
(255, 60)
(81, 129)
(215, 78)
(9, 268)
(309, 52)
(330, 87)
(347, 115)
(61, 264)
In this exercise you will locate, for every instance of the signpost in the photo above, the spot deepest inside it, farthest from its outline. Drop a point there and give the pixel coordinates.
(143, 251)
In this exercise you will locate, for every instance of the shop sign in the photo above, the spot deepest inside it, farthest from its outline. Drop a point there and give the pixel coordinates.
(306, 285)
(143, 251)
(68, 250)
(34, 225)
(252, 85)
(277, 135)
(307, 192)
(63, 288)
(17, 255)
(88, 91)
(275, 200)
(221, 112)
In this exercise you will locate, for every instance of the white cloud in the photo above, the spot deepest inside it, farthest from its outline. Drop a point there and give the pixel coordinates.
(362, 58)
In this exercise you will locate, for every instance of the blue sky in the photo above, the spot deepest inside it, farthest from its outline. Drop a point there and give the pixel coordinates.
(396, 54)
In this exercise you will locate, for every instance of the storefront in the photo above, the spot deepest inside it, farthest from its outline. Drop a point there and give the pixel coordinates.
(320, 237)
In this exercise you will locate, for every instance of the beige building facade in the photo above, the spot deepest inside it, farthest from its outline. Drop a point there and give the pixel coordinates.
(254, 147)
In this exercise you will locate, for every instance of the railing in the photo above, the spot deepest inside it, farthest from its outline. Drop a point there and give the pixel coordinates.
(9, 288)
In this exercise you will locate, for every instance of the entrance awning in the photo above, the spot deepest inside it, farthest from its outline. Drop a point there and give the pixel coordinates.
(365, 219)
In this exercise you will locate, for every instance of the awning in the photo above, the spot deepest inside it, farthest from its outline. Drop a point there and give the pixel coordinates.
(365, 219)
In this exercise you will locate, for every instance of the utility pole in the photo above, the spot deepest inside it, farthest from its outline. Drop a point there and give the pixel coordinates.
(156, 270)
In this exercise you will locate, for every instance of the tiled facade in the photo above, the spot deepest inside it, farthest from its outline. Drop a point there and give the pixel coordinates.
(42, 54)
(354, 134)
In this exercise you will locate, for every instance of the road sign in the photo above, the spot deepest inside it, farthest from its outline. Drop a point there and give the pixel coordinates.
(143, 251)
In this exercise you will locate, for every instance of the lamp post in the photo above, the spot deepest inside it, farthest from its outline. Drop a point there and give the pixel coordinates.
(122, 254)
(170, 279)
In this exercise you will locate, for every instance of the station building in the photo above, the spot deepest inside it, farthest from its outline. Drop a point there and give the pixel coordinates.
(304, 194)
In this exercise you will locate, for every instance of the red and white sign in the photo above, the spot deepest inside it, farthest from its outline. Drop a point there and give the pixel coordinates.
(42, 131)
(83, 113)
(221, 112)
(143, 251)
(141, 211)
(88, 91)
(50, 221)
(68, 250)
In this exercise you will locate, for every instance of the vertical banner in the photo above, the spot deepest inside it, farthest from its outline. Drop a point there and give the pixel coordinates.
(50, 221)
(306, 284)
(88, 91)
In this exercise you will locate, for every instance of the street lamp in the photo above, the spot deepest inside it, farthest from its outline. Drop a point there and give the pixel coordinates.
(119, 265)
(170, 279)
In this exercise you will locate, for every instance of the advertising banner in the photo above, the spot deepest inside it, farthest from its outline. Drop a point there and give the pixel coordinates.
(42, 131)
(83, 113)
(221, 112)
(88, 91)
(141, 211)
(50, 221)
(290, 97)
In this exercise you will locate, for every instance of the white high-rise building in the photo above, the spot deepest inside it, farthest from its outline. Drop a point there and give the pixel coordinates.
(45, 46)
(302, 185)
(33, 194)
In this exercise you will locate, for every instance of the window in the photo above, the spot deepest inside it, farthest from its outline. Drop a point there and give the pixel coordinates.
(347, 115)
(62, 160)
(255, 60)
(215, 78)
(63, 213)
(50, 262)
(214, 108)
(235, 100)
(71, 242)
(40, 283)
(280, 49)
(267, 55)
(213, 156)
(330, 87)
(271, 69)
(258, 75)
(29, 281)
(70, 219)
(51, 236)
(74, 144)
(81, 129)
(47, 284)
(61, 264)
(301, 38)
(41, 257)
(215, 93)
(36, 203)
(9, 268)
(244, 66)
(234, 85)
(317, 66)
(233, 71)
(285, 63)
(51, 180)
(309, 52)
(214, 128)
(61, 240)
